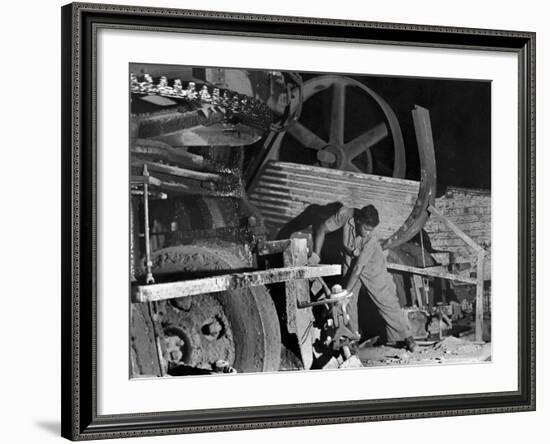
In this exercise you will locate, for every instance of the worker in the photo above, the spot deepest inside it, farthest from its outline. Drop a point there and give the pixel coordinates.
(364, 265)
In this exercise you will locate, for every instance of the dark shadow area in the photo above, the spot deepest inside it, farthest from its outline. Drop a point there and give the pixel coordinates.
(312, 217)
(185, 370)
(371, 323)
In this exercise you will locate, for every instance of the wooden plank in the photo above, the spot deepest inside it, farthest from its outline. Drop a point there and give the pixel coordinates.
(299, 321)
(233, 281)
(479, 296)
(178, 156)
(431, 271)
(418, 287)
(177, 171)
(145, 180)
(274, 247)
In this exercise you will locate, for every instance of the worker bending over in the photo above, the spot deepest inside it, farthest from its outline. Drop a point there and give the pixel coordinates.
(364, 264)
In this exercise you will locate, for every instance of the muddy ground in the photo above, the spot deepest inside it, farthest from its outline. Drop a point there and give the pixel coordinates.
(448, 350)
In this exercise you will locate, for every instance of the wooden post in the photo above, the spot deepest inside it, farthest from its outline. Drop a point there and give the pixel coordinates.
(479, 295)
(299, 320)
(417, 285)
(479, 269)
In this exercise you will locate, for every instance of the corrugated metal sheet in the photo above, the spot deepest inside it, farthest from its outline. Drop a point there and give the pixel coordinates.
(284, 190)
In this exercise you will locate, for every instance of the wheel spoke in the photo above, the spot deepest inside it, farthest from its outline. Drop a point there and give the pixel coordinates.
(363, 142)
(351, 167)
(337, 114)
(306, 137)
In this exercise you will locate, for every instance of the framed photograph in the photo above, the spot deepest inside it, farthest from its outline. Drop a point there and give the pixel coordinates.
(258, 208)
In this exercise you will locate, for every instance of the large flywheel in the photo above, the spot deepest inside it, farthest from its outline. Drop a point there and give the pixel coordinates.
(329, 143)
(240, 327)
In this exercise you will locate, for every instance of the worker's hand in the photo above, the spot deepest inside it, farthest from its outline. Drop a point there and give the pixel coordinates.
(314, 259)
(356, 252)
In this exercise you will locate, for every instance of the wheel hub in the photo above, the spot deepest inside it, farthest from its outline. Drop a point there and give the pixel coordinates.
(238, 326)
(332, 156)
(197, 335)
(336, 151)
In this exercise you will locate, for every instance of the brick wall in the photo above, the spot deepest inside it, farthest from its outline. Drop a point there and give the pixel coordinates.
(470, 210)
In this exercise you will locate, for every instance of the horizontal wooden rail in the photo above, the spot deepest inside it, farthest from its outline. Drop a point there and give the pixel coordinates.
(233, 281)
(433, 272)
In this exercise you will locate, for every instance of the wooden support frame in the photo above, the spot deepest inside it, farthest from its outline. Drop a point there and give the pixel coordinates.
(432, 272)
(478, 282)
(299, 321)
(177, 171)
(232, 281)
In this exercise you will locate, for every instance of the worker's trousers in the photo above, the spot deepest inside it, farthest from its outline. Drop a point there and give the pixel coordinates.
(397, 329)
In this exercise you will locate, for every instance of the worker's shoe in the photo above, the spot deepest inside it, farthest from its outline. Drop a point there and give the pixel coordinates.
(410, 344)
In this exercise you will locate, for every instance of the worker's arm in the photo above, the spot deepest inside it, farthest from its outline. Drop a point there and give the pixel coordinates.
(319, 238)
(361, 263)
(333, 223)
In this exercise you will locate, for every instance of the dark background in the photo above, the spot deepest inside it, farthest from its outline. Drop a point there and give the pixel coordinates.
(460, 112)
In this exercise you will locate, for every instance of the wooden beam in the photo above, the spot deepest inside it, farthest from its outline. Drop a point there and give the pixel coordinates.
(274, 247)
(178, 156)
(146, 180)
(479, 296)
(434, 272)
(233, 281)
(299, 322)
(177, 171)
(418, 287)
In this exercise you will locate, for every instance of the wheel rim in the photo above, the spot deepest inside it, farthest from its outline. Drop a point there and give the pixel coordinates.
(336, 152)
(237, 326)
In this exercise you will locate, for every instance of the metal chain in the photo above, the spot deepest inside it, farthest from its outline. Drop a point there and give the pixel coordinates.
(250, 110)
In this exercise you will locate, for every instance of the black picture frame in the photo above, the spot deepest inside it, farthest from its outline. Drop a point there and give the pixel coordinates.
(80, 420)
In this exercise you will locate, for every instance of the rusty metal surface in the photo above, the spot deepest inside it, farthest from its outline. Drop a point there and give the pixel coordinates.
(155, 150)
(167, 105)
(239, 325)
(285, 190)
(426, 194)
(217, 134)
(176, 171)
(191, 219)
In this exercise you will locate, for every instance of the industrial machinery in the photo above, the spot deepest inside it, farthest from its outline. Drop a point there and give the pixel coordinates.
(225, 173)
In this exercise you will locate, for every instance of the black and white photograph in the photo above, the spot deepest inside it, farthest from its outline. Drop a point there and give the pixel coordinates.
(275, 222)
(293, 221)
